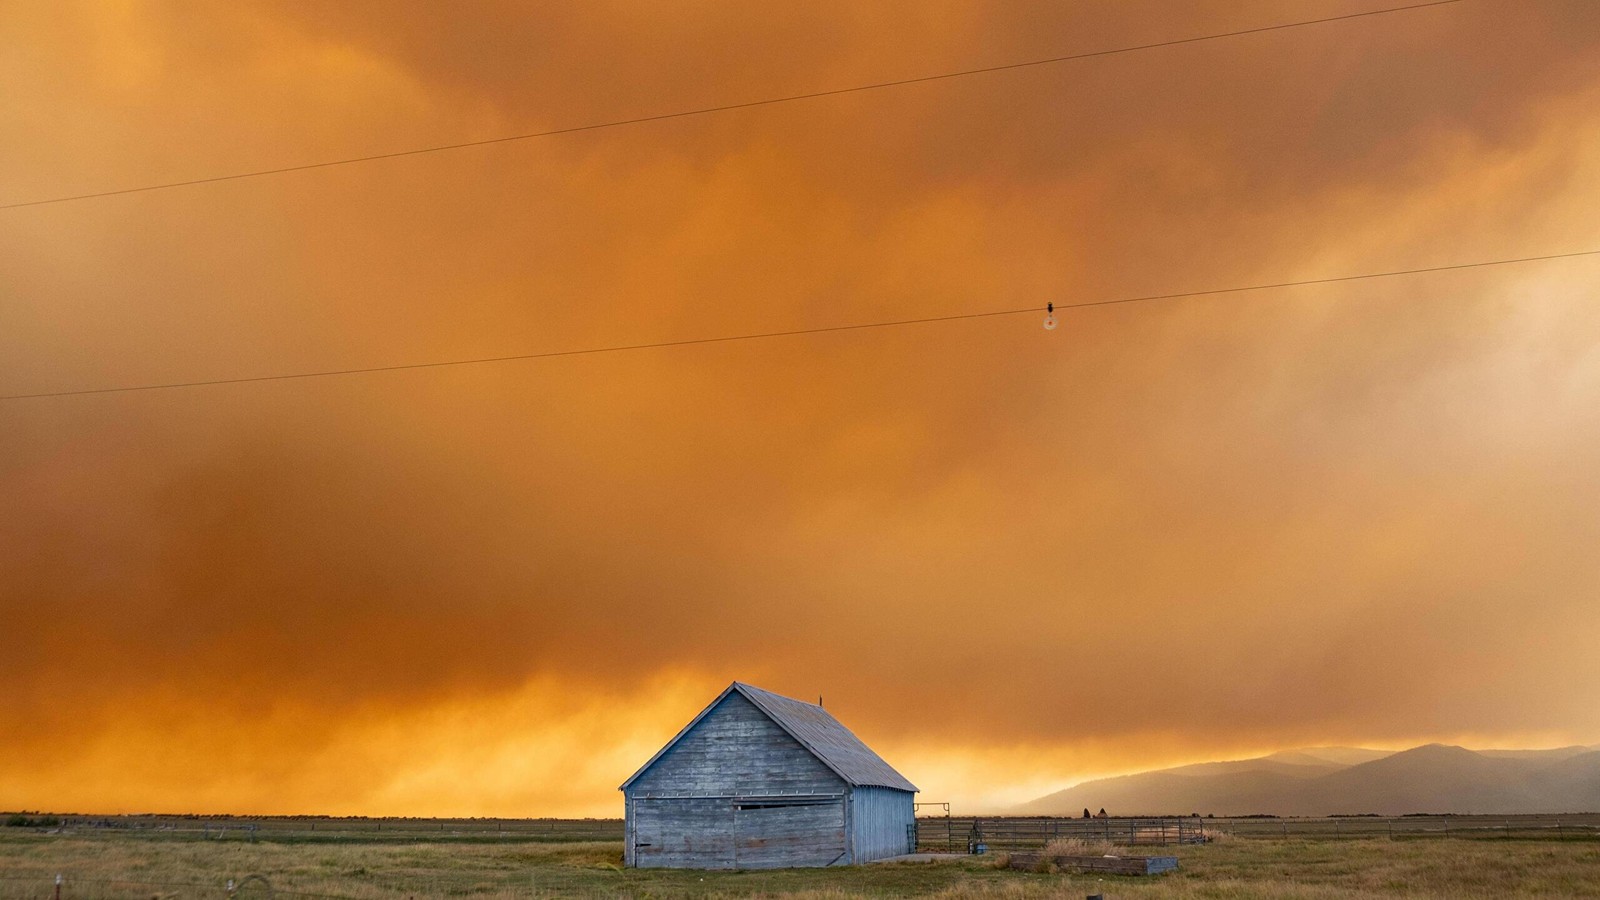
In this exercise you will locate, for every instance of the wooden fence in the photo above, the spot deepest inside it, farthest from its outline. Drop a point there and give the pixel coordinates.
(320, 829)
(1540, 826)
(960, 834)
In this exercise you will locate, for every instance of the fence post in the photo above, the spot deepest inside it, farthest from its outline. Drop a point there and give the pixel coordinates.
(58, 886)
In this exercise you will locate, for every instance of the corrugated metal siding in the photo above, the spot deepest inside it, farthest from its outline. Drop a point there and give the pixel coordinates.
(880, 821)
(828, 739)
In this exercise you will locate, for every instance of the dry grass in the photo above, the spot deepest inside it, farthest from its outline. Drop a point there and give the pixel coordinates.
(1083, 847)
(103, 866)
(998, 860)
(1048, 861)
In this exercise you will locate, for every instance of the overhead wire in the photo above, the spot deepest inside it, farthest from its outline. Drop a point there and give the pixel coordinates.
(728, 107)
(767, 335)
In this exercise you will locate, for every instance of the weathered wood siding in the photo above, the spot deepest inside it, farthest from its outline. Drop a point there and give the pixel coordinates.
(681, 833)
(736, 751)
(736, 791)
(727, 833)
(880, 822)
(776, 834)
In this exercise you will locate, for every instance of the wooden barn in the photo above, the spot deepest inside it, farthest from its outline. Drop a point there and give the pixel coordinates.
(759, 781)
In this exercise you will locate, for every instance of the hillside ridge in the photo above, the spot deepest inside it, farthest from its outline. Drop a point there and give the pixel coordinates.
(1430, 778)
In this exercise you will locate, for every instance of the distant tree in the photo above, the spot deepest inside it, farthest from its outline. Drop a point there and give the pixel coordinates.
(1086, 814)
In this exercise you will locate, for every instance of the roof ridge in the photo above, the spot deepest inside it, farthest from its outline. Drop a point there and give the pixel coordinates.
(762, 690)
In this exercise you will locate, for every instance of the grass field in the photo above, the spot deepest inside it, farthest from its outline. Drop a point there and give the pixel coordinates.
(154, 865)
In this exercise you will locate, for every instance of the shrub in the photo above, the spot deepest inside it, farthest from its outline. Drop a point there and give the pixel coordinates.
(18, 820)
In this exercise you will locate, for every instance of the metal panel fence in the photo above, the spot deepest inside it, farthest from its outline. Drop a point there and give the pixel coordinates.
(958, 834)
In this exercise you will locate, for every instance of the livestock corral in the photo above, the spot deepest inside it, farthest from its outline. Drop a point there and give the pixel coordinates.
(388, 859)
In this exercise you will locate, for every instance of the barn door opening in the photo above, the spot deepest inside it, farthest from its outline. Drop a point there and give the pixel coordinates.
(777, 832)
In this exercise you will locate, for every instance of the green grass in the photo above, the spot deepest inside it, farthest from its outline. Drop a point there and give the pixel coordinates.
(120, 865)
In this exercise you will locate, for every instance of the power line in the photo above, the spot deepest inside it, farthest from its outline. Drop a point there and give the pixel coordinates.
(771, 101)
(765, 335)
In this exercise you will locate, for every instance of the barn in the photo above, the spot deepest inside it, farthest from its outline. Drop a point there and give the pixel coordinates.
(760, 781)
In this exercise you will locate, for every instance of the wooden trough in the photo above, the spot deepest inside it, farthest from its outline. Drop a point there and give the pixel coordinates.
(1109, 865)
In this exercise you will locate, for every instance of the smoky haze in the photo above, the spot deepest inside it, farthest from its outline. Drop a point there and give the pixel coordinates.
(1353, 513)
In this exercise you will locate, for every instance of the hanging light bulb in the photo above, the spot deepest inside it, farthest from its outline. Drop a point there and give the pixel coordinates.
(1050, 317)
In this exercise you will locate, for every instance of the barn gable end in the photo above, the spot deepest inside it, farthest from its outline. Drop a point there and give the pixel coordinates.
(734, 749)
(758, 780)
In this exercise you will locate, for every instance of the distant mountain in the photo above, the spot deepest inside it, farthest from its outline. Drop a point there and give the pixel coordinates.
(1552, 755)
(1343, 756)
(1348, 781)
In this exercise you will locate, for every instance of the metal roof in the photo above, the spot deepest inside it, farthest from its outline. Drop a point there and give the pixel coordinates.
(816, 730)
(827, 739)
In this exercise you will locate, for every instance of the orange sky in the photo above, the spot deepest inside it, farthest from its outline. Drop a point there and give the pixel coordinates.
(1356, 513)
